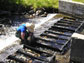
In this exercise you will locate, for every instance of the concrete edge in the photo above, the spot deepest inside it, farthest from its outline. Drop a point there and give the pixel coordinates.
(78, 36)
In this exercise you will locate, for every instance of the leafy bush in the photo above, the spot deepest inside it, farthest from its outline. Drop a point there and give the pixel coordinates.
(82, 1)
(35, 3)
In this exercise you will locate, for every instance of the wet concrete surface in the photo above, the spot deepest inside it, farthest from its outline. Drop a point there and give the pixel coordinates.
(63, 58)
(40, 29)
(18, 20)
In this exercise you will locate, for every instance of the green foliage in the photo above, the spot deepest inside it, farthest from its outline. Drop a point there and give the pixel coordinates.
(82, 1)
(37, 3)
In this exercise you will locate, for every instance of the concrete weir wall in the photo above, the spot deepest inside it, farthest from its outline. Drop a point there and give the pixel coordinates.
(77, 48)
(72, 8)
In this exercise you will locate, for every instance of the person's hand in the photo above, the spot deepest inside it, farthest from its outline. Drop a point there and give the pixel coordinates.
(29, 38)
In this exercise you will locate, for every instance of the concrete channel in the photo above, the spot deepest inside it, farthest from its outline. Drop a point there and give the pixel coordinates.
(53, 38)
(56, 42)
(9, 41)
(13, 39)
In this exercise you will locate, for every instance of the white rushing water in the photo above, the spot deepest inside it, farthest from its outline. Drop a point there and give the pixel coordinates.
(10, 39)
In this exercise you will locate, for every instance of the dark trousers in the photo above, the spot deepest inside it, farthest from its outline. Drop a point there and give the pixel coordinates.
(18, 34)
(25, 41)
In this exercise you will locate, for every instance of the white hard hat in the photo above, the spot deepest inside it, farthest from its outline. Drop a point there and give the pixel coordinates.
(28, 24)
(30, 27)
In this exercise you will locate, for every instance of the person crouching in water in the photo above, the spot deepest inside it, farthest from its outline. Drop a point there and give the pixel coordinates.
(25, 33)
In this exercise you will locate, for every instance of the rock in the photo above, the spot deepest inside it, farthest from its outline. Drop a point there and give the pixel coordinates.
(2, 31)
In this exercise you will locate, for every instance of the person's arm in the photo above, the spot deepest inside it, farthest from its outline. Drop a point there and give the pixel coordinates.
(22, 35)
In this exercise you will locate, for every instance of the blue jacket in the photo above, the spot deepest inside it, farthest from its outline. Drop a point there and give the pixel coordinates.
(22, 28)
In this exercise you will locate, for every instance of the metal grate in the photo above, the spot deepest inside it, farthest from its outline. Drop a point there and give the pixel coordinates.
(58, 37)
(28, 54)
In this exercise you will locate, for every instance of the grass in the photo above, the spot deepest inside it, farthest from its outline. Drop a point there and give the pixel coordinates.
(41, 3)
(82, 1)
(36, 3)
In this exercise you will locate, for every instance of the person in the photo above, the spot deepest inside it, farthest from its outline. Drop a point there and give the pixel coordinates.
(25, 33)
